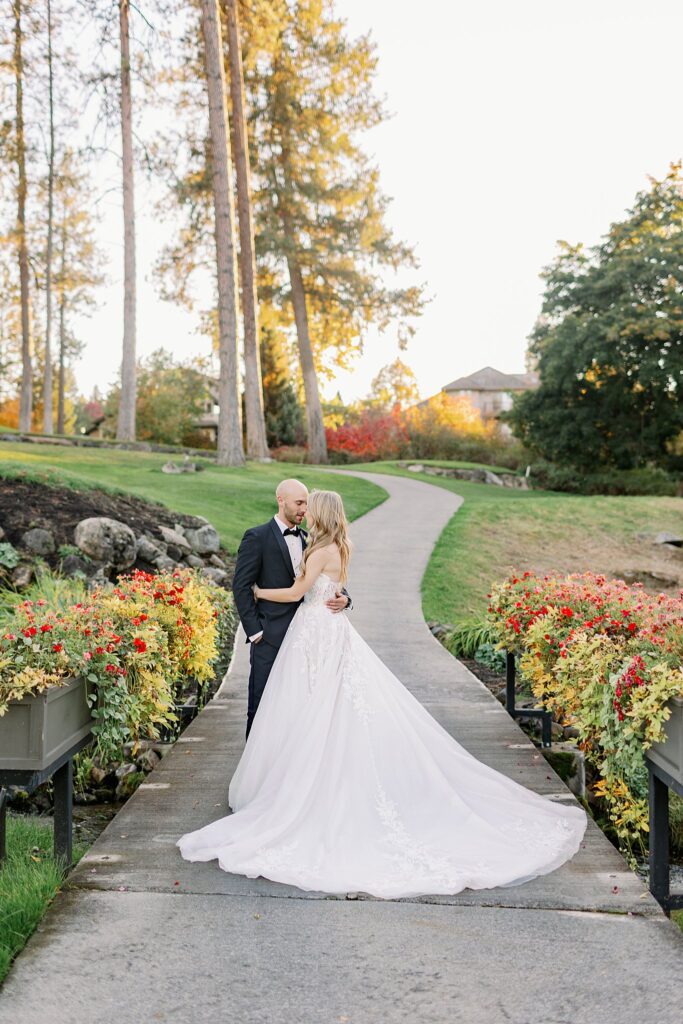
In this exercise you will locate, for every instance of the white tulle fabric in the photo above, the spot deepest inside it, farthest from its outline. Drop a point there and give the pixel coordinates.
(347, 784)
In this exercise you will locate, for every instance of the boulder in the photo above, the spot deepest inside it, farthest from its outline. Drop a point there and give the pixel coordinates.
(183, 467)
(22, 575)
(217, 562)
(174, 539)
(148, 548)
(38, 541)
(129, 783)
(492, 478)
(204, 540)
(669, 538)
(106, 540)
(195, 561)
(218, 576)
(148, 760)
(164, 563)
(2, 533)
(72, 565)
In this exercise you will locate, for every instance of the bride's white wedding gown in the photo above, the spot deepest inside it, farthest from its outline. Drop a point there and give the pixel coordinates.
(347, 784)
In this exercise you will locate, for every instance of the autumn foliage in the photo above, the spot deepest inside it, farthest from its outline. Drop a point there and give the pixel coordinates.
(438, 428)
(604, 657)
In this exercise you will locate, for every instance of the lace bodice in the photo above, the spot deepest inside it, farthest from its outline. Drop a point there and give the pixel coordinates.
(322, 590)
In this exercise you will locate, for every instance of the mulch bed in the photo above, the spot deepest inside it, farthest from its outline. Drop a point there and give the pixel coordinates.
(26, 504)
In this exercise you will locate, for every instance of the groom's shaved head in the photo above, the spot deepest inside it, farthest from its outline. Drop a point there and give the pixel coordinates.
(287, 487)
(292, 501)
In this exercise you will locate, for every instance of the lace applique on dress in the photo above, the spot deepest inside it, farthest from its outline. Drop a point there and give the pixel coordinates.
(312, 641)
(544, 834)
(354, 682)
(275, 858)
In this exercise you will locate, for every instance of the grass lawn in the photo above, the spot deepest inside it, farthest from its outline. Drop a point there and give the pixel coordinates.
(231, 499)
(498, 529)
(29, 879)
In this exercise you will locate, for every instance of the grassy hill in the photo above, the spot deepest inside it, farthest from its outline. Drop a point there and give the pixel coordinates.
(232, 499)
(498, 529)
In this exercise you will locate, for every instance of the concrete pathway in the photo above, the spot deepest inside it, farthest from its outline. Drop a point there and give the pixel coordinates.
(138, 932)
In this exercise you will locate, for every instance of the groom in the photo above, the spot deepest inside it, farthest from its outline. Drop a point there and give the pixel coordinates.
(270, 556)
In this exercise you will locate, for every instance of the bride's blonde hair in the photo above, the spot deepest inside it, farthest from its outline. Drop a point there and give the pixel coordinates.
(328, 525)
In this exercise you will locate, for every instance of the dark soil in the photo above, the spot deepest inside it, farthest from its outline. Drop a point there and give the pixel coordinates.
(26, 504)
(493, 681)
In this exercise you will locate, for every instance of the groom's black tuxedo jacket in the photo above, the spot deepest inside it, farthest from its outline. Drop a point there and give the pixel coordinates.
(263, 558)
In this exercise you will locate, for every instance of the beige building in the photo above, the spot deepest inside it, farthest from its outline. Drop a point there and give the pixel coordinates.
(491, 391)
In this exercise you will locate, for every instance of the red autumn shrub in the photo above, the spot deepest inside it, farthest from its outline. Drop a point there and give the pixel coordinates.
(372, 436)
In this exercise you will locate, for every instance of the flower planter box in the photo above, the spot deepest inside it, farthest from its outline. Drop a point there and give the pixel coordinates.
(36, 730)
(669, 755)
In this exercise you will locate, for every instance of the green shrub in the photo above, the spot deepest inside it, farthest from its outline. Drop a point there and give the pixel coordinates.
(549, 476)
(289, 453)
(468, 637)
(491, 657)
(9, 556)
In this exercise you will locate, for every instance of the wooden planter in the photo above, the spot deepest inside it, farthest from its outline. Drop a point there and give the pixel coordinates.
(36, 730)
(669, 754)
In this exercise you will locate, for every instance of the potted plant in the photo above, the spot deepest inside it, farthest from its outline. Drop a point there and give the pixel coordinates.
(107, 665)
(668, 753)
(38, 728)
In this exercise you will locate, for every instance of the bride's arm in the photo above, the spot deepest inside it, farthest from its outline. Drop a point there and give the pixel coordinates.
(314, 566)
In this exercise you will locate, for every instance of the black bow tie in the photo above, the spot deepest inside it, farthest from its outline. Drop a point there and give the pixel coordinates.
(293, 532)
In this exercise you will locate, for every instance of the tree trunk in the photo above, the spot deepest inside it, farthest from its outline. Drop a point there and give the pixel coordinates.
(47, 371)
(229, 439)
(317, 443)
(257, 446)
(125, 430)
(26, 396)
(62, 331)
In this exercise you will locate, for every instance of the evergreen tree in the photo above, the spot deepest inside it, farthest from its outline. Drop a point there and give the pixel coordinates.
(283, 412)
(320, 210)
(609, 342)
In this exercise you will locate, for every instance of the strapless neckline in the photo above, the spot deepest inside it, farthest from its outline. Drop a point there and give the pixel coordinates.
(329, 578)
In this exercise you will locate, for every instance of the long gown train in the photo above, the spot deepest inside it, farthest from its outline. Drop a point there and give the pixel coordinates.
(347, 784)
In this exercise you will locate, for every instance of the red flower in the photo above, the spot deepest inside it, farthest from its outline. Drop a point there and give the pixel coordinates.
(140, 645)
(57, 648)
(45, 628)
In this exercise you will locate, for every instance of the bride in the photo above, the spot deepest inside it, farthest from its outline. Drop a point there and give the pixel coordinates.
(347, 783)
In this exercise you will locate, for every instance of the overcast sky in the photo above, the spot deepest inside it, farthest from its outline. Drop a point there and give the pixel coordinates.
(514, 125)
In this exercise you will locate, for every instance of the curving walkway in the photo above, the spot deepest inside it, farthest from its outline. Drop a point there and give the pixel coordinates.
(139, 930)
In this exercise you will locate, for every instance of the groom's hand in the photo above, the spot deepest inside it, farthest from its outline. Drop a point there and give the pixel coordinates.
(337, 603)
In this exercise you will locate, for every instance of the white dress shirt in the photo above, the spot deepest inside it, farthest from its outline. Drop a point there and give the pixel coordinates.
(296, 553)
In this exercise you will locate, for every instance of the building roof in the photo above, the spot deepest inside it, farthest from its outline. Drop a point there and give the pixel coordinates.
(490, 379)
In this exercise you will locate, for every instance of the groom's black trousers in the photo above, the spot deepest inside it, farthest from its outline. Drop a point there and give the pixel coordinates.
(261, 657)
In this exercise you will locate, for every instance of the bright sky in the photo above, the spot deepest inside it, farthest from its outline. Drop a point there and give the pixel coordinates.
(514, 125)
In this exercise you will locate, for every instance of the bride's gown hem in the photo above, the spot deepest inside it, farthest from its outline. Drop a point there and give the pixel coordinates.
(347, 784)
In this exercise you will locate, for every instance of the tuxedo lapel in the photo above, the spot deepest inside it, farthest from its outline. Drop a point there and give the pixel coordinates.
(282, 544)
